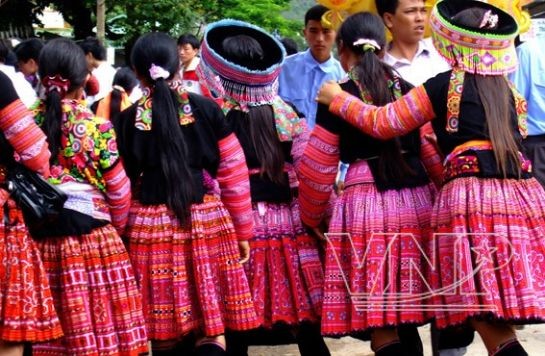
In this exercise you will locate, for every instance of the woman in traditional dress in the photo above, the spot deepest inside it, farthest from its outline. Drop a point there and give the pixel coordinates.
(27, 312)
(489, 216)
(187, 241)
(381, 221)
(242, 62)
(92, 281)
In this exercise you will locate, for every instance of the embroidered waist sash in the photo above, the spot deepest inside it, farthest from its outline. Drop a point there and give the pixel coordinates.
(476, 158)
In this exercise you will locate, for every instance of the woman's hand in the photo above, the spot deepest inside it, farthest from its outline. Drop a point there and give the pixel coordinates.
(244, 249)
(317, 232)
(327, 92)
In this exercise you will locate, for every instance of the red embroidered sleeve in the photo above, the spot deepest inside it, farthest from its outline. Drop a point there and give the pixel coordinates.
(317, 171)
(118, 195)
(234, 183)
(430, 154)
(395, 119)
(26, 138)
(298, 145)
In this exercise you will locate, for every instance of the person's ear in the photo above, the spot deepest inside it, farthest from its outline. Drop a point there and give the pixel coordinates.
(388, 19)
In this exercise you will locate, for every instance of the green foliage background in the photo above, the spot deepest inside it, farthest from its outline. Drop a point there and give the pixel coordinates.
(134, 17)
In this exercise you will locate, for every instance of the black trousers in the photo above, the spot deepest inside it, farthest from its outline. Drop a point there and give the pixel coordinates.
(306, 335)
(451, 338)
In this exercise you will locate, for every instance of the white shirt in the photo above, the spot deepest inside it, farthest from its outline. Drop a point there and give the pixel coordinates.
(105, 75)
(23, 88)
(427, 63)
(136, 94)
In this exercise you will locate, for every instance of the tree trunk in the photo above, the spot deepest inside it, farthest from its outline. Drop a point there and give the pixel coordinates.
(79, 17)
(101, 18)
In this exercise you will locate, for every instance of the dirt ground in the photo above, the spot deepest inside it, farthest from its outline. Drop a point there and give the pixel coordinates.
(532, 337)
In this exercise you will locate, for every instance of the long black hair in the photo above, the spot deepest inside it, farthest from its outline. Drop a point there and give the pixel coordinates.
(246, 51)
(372, 74)
(60, 57)
(496, 97)
(160, 50)
(125, 79)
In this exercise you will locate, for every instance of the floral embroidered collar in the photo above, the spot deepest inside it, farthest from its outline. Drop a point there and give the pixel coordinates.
(454, 98)
(88, 144)
(288, 123)
(393, 84)
(68, 106)
(144, 109)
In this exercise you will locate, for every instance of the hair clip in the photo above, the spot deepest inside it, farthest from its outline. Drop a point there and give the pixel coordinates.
(118, 87)
(367, 43)
(157, 72)
(489, 21)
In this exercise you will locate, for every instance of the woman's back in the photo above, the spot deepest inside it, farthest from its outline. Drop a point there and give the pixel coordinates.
(87, 167)
(202, 125)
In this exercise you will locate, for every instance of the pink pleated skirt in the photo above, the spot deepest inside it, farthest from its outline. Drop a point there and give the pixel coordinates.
(490, 250)
(95, 295)
(27, 311)
(190, 279)
(284, 271)
(375, 268)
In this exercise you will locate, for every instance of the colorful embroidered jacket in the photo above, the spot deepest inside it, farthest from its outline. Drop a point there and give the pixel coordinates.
(88, 168)
(450, 98)
(23, 135)
(212, 147)
(333, 139)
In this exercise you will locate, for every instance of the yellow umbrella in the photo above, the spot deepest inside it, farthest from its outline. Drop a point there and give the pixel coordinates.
(340, 9)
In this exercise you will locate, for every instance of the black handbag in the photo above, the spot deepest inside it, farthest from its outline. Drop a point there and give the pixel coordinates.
(40, 201)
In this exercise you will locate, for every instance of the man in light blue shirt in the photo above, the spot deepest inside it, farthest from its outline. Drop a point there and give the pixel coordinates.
(529, 79)
(303, 73)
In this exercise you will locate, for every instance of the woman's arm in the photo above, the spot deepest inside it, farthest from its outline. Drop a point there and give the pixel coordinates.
(117, 184)
(430, 154)
(316, 171)
(234, 183)
(394, 119)
(19, 128)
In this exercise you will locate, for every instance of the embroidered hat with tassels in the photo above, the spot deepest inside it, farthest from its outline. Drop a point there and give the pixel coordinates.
(248, 84)
(488, 49)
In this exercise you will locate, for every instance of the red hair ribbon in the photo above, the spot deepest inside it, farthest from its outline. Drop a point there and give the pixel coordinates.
(56, 83)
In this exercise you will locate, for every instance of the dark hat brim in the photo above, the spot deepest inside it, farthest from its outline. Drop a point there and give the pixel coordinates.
(254, 84)
(274, 52)
(272, 49)
(507, 25)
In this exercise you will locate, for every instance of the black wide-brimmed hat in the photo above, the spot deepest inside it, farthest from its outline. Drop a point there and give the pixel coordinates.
(487, 49)
(252, 83)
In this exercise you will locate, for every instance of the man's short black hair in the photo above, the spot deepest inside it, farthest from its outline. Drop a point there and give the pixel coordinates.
(188, 38)
(315, 13)
(92, 45)
(29, 49)
(386, 6)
